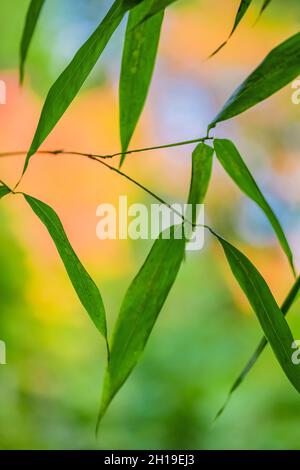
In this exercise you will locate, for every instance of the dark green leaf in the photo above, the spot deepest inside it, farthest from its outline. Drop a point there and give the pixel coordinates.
(273, 323)
(264, 6)
(157, 6)
(139, 311)
(4, 190)
(83, 284)
(244, 5)
(201, 172)
(32, 17)
(289, 301)
(236, 168)
(280, 67)
(66, 87)
(139, 54)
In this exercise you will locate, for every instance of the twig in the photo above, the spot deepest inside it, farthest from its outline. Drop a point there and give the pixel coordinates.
(145, 149)
(100, 158)
(121, 173)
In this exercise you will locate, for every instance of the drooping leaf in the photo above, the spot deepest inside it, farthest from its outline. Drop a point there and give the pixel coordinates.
(243, 7)
(156, 7)
(271, 319)
(280, 67)
(83, 284)
(236, 168)
(4, 190)
(139, 54)
(287, 304)
(32, 17)
(201, 172)
(66, 87)
(149, 290)
(264, 6)
(139, 311)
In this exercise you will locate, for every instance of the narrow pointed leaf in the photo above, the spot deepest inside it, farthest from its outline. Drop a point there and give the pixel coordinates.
(4, 190)
(244, 5)
(139, 311)
(32, 17)
(139, 55)
(264, 6)
(157, 6)
(280, 67)
(271, 319)
(201, 172)
(236, 168)
(66, 87)
(83, 284)
(289, 301)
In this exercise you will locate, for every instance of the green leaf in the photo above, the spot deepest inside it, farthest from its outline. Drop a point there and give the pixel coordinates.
(273, 323)
(83, 284)
(289, 301)
(139, 311)
(244, 5)
(157, 6)
(4, 190)
(32, 17)
(139, 54)
(66, 87)
(264, 6)
(280, 67)
(202, 159)
(236, 168)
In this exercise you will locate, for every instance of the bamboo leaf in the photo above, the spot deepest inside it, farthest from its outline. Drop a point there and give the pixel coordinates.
(32, 17)
(157, 6)
(83, 284)
(289, 301)
(273, 323)
(280, 67)
(236, 168)
(4, 190)
(139, 55)
(66, 87)
(264, 6)
(150, 288)
(202, 159)
(139, 311)
(244, 5)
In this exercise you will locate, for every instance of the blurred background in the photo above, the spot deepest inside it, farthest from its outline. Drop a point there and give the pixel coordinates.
(50, 387)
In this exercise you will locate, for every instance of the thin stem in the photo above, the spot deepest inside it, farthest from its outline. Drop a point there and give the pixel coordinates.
(159, 147)
(100, 158)
(129, 178)
(145, 149)
(139, 185)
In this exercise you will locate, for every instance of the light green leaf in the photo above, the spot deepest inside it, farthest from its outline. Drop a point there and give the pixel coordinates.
(244, 5)
(157, 6)
(271, 319)
(32, 17)
(83, 284)
(289, 301)
(201, 172)
(66, 87)
(236, 168)
(139, 54)
(280, 67)
(139, 311)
